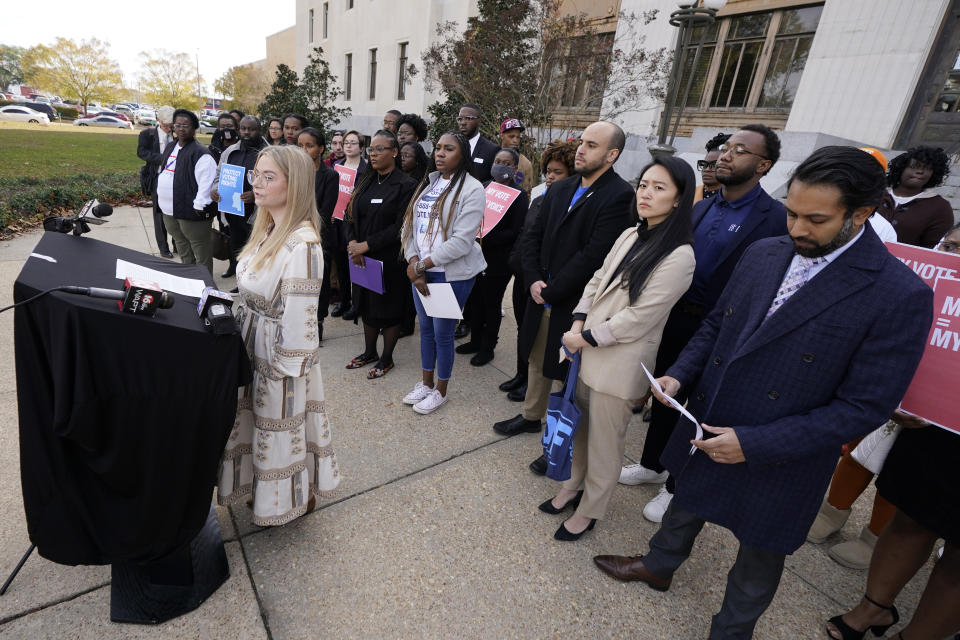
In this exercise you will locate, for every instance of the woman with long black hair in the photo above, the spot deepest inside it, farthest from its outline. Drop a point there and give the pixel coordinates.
(413, 160)
(373, 219)
(439, 243)
(616, 328)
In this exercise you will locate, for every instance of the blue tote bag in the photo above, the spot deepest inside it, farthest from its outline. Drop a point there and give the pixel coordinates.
(562, 419)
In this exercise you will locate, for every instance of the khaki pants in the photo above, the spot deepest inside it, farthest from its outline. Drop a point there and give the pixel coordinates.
(538, 386)
(597, 448)
(193, 240)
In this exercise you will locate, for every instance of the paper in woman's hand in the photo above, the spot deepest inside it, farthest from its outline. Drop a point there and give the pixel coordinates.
(676, 405)
(441, 303)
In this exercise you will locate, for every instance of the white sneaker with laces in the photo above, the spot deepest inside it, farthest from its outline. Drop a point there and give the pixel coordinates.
(658, 506)
(633, 474)
(420, 391)
(430, 403)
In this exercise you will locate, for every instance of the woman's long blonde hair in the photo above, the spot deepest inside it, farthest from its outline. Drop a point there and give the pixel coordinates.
(298, 168)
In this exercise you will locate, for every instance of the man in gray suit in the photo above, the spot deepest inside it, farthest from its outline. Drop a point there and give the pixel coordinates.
(802, 353)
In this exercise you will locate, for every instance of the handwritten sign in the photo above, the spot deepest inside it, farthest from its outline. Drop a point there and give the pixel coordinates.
(230, 188)
(347, 178)
(498, 200)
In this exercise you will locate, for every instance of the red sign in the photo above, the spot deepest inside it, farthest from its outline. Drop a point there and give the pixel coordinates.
(499, 198)
(347, 177)
(926, 263)
(930, 395)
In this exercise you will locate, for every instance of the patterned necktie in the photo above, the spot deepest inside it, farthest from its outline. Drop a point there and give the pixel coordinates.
(796, 277)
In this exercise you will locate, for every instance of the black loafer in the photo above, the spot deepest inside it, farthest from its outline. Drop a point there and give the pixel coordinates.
(337, 310)
(230, 272)
(539, 466)
(482, 358)
(518, 394)
(515, 382)
(351, 314)
(467, 347)
(166, 254)
(517, 424)
(462, 331)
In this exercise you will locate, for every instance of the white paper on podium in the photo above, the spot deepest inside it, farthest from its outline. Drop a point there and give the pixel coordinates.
(184, 286)
(676, 405)
(441, 303)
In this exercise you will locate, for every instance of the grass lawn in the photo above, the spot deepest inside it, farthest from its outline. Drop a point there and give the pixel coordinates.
(58, 150)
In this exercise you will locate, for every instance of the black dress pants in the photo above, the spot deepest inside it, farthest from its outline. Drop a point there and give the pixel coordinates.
(680, 327)
(520, 296)
(484, 309)
(751, 583)
(159, 229)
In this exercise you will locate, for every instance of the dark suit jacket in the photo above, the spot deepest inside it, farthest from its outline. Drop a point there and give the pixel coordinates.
(485, 151)
(564, 249)
(148, 150)
(767, 218)
(828, 367)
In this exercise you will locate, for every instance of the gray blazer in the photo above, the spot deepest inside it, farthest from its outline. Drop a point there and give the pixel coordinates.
(459, 255)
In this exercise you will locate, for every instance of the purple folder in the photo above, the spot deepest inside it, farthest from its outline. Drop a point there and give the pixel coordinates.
(369, 276)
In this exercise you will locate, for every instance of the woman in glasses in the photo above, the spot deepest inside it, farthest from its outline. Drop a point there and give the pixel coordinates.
(708, 168)
(275, 132)
(373, 219)
(279, 456)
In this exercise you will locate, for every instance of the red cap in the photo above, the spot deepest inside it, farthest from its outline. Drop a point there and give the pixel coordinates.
(510, 123)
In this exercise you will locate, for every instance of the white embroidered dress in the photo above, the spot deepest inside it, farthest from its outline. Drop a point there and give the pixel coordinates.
(280, 448)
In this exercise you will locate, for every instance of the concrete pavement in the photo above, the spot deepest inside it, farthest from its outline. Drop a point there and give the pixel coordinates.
(433, 533)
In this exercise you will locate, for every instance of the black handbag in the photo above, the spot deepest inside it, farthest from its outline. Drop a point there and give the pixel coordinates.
(220, 244)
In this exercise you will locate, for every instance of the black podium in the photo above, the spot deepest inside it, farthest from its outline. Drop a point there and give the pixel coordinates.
(123, 419)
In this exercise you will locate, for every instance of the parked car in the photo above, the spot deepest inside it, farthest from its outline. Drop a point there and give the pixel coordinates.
(115, 114)
(103, 121)
(125, 110)
(16, 113)
(145, 116)
(206, 127)
(44, 107)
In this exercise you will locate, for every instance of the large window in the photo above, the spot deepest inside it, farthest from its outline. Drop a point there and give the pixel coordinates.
(348, 77)
(326, 20)
(373, 74)
(402, 76)
(749, 62)
(579, 75)
(310, 26)
(947, 101)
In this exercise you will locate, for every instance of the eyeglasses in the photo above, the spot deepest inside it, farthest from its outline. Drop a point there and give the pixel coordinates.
(351, 144)
(253, 176)
(737, 150)
(703, 165)
(462, 118)
(182, 126)
(379, 149)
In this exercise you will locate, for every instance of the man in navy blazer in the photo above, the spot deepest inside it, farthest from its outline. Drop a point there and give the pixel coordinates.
(724, 226)
(803, 352)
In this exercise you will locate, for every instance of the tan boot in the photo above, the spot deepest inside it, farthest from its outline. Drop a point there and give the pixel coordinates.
(855, 554)
(828, 521)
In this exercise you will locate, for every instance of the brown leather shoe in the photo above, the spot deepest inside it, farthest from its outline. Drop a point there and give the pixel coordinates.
(630, 569)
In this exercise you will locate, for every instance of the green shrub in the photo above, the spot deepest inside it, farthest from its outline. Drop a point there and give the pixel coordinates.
(24, 202)
(67, 113)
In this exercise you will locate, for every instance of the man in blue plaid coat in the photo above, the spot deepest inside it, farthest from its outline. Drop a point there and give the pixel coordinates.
(805, 350)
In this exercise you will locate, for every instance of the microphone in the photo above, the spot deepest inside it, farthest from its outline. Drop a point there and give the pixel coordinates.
(137, 297)
(215, 309)
(93, 212)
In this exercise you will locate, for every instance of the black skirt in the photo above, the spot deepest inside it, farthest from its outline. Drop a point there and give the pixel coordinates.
(921, 477)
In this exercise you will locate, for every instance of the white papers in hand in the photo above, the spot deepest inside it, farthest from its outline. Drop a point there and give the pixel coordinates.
(441, 303)
(184, 286)
(676, 405)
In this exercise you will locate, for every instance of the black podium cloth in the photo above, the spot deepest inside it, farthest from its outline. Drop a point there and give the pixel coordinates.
(123, 418)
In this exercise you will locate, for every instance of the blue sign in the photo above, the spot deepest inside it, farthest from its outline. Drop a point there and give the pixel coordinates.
(230, 188)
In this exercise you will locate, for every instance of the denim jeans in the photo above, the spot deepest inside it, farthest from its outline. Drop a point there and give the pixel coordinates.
(436, 334)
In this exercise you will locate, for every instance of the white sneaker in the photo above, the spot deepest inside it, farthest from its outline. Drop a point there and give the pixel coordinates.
(430, 403)
(638, 474)
(658, 506)
(419, 393)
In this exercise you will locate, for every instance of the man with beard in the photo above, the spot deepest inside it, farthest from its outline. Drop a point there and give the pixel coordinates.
(802, 353)
(724, 226)
(580, 218)
(482, 150)
(242, 154)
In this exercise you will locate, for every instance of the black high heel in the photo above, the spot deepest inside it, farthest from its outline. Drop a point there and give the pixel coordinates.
(564, 534)
(849, 633)
(547, 507)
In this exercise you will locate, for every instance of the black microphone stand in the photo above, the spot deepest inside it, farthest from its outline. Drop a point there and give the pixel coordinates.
(16, 569)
